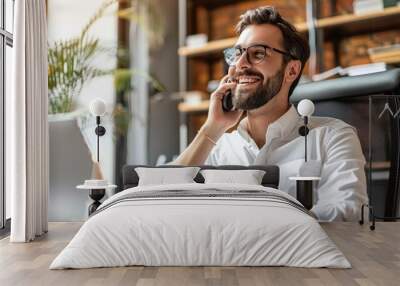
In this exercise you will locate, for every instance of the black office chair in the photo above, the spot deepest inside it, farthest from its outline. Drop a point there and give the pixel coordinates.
(350, 99)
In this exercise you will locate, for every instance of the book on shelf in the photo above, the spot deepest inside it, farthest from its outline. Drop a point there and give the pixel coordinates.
(367, 6)
(350, 71)
(384, 49)
(389, 54)
(391, 3)
(197, 40)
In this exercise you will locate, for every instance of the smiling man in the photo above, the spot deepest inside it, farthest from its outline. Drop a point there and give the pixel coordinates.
(265, 66)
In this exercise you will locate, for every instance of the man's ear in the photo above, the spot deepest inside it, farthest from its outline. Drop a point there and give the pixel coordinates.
(293, 69)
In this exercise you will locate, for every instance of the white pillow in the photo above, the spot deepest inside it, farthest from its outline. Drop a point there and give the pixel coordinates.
(249, 177)
(164, 176)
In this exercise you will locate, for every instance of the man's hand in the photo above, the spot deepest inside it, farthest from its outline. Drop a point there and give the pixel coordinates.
(219, 121)
(216, 124)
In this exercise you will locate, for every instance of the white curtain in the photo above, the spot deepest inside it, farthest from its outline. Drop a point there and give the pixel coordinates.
(27, 147)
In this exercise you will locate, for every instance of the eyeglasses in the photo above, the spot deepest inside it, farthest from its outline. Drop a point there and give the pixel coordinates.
(254, 54)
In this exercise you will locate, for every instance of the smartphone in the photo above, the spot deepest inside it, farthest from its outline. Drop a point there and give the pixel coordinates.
(227, 104)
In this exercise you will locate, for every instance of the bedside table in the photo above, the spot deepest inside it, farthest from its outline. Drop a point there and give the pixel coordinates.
(96, 193)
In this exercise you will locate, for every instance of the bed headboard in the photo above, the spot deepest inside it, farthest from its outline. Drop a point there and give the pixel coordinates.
(130, 178)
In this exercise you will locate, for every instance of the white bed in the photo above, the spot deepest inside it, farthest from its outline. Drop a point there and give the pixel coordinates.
(251, 225)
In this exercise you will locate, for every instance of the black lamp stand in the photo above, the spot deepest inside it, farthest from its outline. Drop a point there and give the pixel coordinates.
(100, 131)
(97, 194)
(304, 188)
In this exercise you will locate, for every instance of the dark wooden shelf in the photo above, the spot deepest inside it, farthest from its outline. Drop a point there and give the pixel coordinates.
(190, 108)
(212, 4)
(339, 26)
(219, 45)
(349, 25)
(209, 48)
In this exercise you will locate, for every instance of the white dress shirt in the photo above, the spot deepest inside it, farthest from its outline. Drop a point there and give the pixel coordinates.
(333, 143)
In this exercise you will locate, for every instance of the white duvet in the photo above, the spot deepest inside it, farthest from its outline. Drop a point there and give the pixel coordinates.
(200, 231)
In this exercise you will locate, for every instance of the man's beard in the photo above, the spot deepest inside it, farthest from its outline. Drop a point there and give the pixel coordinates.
(247, 100)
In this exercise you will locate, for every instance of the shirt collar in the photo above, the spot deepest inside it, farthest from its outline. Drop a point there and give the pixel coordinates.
(282, 127)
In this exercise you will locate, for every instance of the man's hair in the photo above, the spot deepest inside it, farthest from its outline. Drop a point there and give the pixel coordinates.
(293, 42)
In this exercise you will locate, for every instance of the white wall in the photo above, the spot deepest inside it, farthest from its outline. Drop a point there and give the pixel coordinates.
(65, 20)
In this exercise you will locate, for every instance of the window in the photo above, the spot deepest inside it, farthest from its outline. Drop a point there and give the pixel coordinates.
(6, 44)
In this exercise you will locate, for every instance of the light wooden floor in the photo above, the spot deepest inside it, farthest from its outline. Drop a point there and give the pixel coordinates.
(375, 257)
